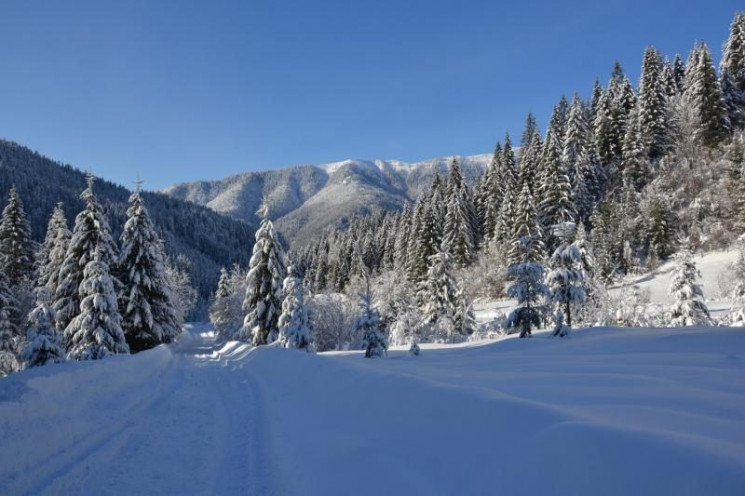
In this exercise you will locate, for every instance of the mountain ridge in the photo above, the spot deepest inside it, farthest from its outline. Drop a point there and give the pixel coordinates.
(305, 199)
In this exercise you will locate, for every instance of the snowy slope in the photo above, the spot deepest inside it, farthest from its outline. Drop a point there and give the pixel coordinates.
(714, 268)
(305, 199)
(606, 411)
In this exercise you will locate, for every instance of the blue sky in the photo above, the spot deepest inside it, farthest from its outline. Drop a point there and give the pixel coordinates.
(178, 90)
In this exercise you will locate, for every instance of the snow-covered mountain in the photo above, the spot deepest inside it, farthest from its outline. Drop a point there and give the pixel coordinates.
(305, 199)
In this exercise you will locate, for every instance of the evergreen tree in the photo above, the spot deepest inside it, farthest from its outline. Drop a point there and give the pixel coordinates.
(439, 294)
(16, 246)
(91, 234)
(369, 326)
(732, 72)
(679, 71)
(652, 102)
(52, 253)
(145, 298)
(44, 345)
(526, 269)
(294, 323)
(457, 238)
(9, 335)
(96, 331)
(603, 129)
(634, 162)
(566, 281)
(557, 206)
(689, 307)
(703, 94)
(658, 229)
(223, 285)
(266, 272)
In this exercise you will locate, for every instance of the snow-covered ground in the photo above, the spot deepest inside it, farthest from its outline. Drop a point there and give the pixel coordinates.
(605, 411)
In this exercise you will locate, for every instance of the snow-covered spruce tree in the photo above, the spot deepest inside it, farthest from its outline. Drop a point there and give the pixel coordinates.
(458, 237)
(703, 95)
(465, 320)
(16, 245)
(145, 298)
(223, 285)
(53, 250)
(184, 295)
(44, 345)
(557, 206)
(96, 331)
(634, 161)
(91, 234)
(9, 336)
(652, 106)
(369, 326)
(294, 323)
(526, 270)
(732, 72)
(266, 272)
(439, 296)
(566, 282)
(689, 307)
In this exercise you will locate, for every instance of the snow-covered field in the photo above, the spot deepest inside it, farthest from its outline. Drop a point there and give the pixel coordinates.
(605, 411)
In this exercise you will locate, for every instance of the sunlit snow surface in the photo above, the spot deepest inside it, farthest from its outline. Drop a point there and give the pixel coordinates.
(604, 411)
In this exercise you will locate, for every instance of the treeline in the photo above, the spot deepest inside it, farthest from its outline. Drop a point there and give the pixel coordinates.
(80, 295)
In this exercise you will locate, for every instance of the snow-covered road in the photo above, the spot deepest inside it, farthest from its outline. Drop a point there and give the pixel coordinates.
(605, 411)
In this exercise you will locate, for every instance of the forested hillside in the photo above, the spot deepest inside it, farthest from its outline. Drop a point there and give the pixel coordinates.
(208, 239)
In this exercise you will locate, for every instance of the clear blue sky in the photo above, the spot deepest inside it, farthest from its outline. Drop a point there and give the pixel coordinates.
(178, 90)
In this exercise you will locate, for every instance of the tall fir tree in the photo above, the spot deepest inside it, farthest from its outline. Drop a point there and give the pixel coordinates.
(527, 270)
(145, 298)
(369, 325)
(53, 250)
(294, 324)
(96, 331)
(439, 293)
(44, 345)
(557, 205)
(266, 273)
(732, 72)
(653, 106)
(16, 245)
(703, 94)
(10, 338)
(90, 235)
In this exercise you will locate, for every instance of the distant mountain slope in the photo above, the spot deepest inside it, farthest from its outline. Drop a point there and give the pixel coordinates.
(305, 199)
(208, 239)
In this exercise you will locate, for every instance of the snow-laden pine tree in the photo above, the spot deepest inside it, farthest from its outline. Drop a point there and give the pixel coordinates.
(145, 297)
(566, 282)
(16, 245)
(9, 336)
(732, 72)
(703, 95)
(294, 323)
(634, 164)
(369, 326)
(557, 205)
(439, 296)
(44, 345)
(96, 331)
(53, 250)
(689, 307)
(527, 270)
(266, 273)
(458, 235)
(91, 234)
(652, 106)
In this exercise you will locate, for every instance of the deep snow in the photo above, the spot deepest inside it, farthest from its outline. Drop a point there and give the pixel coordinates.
(605, 411)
